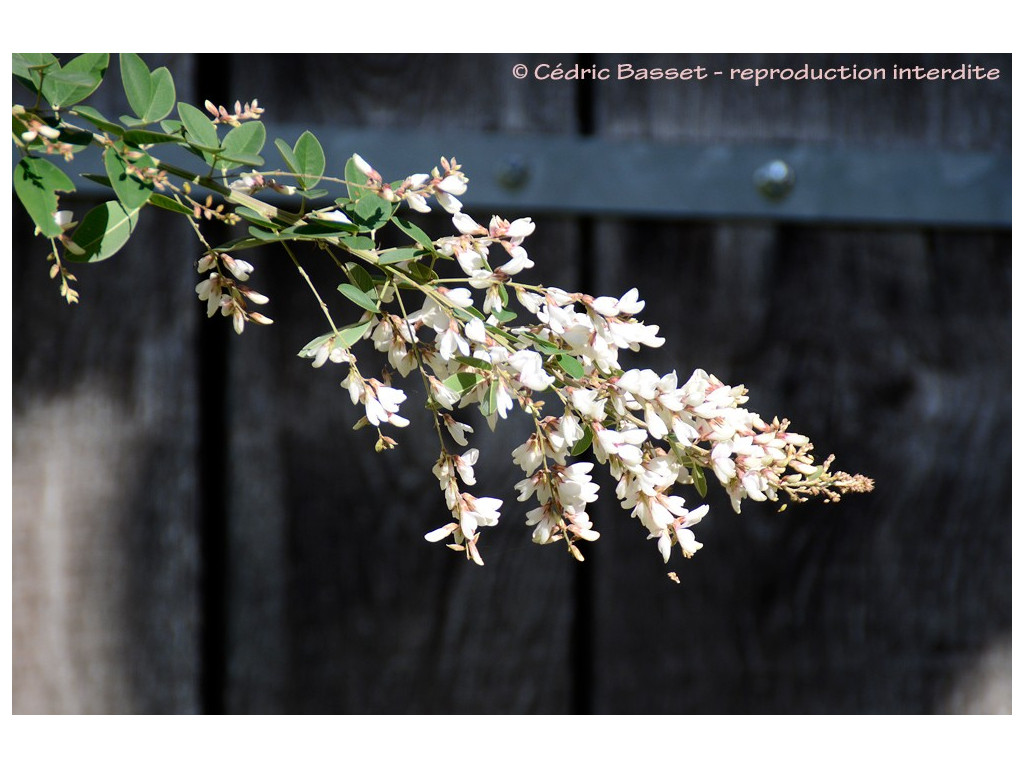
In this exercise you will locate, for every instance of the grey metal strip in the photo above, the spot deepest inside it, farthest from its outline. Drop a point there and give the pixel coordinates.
(809, 183)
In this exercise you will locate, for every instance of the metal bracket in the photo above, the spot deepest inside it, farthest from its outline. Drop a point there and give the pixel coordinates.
(809, 183)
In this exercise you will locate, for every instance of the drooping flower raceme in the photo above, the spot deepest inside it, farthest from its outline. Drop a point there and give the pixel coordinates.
(658, 437)
(481, 337)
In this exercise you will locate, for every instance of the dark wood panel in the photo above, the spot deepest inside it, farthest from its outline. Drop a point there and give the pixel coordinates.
(947, 114)
(337, 603)
(892, 350)
(105, 584)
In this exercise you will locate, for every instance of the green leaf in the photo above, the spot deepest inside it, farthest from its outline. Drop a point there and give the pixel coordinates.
(372, 211)
(584, 442)
(37, 182)
(243, 141)
(170, 204)
(357, 243)
(358, 297)
(699, 481)
(130, 189)
(138, 85)
(344, 338)
(287, 155)
(505, 315)
(542, 345)
(415, 233)
(309, 159)
(94, 117)
(323, 229)
(262, 234)
(475, 362)
(200, 130)
(462, 382)
(350, 334)
(398, 255)
(162, 96)
(421, 273)
(29, 68)
(104, 231)
(569, 364)
(360, 277)
(138, 137)
(76, 80)
(490, 405)
(236, 159)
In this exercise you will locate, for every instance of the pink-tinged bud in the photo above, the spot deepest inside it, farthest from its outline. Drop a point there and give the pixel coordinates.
(211, 108)
(253, 296)
(441, 533)
(256, 317)
(363, 166)
(803, 468)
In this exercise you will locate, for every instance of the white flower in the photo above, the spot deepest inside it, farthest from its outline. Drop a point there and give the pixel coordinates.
(475, 512)
(530, 366)
(240, 269)
(587, 403)
(381, 403)
(465, 224)
(519, 261)
(334, 215)
(520, 228)
(464, 465)
(456, 429)
(529, 455)
(453, 184)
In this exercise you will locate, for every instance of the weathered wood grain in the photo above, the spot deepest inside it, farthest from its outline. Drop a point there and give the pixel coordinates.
(197, 527)
(337, 604)
(105, 550)
(891, 349)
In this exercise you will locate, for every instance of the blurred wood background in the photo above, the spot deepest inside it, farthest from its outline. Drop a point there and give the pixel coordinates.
(197, 528)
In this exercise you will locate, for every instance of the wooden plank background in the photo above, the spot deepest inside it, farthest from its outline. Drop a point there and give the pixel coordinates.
(197, 528)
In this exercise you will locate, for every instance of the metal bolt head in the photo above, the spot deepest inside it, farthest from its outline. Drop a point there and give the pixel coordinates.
(512, 172)
(775, 179)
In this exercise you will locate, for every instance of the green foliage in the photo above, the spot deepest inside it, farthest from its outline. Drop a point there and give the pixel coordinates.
(242, 145)
(104, 231)
(132, 191)
(150, 94)
(200, 131)
(36, 183)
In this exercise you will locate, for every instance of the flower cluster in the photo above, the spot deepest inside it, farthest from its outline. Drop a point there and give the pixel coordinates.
(652, 433)
(443, 185)
(250, 111)
(480, 338)
(229, 294)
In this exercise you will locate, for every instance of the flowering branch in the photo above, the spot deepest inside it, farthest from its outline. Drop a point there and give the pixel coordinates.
(463, 334)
